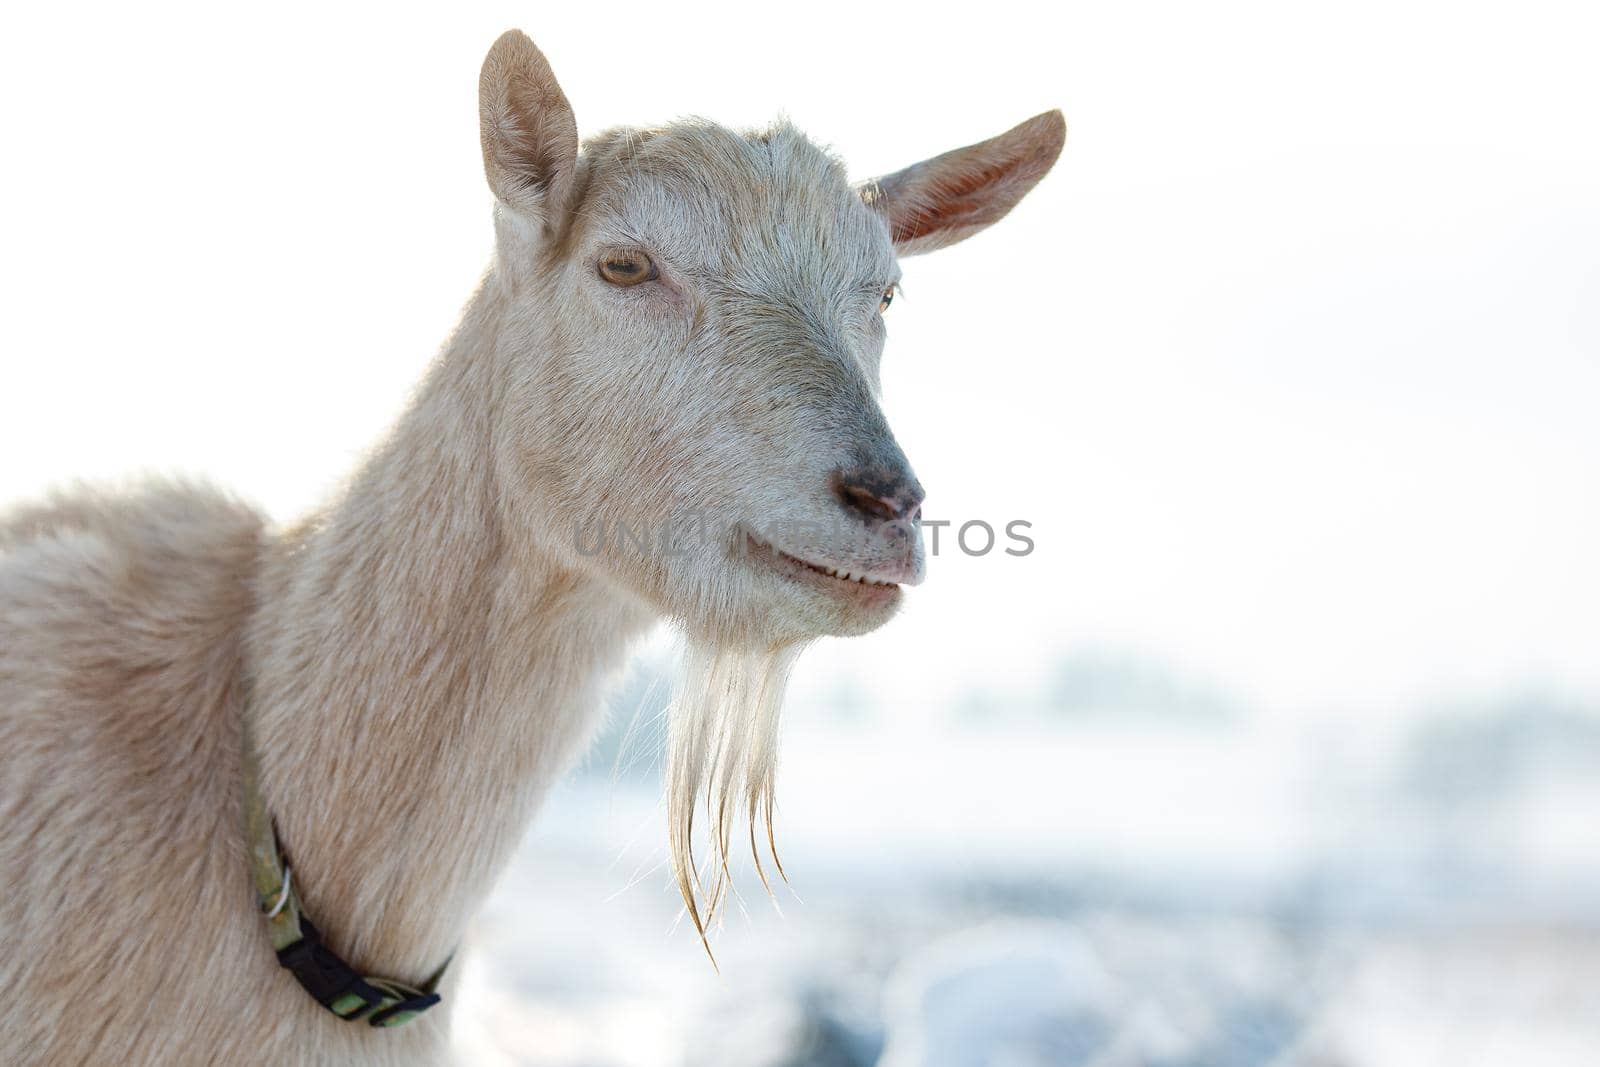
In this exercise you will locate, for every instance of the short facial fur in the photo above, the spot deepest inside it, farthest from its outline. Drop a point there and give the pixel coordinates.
(740, 386)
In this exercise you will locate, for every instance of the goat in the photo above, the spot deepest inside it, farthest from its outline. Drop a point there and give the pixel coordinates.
(678, 320)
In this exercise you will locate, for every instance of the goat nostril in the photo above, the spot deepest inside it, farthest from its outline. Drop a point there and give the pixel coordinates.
(868, 503)
(869, 494)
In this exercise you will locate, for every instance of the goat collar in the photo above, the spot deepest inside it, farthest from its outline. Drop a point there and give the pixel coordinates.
(331, 981)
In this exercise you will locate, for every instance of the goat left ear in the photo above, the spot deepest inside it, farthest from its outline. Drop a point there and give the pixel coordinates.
(530, 139)
(951, 197)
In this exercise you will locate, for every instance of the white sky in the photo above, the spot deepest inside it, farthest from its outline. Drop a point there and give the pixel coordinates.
(1293, 362)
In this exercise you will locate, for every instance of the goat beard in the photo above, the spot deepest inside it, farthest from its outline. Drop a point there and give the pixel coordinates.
(723, 747)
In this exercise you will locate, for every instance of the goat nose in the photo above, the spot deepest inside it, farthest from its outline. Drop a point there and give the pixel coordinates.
(878, 494)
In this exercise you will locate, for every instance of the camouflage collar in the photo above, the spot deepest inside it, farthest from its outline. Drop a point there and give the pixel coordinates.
(331, 981)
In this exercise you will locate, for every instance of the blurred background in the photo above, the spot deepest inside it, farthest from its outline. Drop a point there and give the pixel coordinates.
(1282, 747)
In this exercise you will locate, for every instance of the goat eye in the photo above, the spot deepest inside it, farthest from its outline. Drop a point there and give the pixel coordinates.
(628, 268)
(888, 298)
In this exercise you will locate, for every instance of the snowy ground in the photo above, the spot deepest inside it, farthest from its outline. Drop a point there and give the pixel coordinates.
(1052, 894)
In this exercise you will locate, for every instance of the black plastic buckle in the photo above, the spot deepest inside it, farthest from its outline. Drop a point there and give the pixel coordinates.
(420, 1003)
(325, 976)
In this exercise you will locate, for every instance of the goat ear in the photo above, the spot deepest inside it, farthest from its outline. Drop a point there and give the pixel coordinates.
(951, 197)
(530, 139)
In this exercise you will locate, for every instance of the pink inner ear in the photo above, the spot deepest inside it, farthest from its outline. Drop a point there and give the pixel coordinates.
(946, 199)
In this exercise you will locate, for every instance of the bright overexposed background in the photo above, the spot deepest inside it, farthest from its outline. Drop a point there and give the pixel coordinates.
(1283, 745)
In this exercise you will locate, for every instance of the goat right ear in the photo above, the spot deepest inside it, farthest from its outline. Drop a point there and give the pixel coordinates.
(530, 139)
(949, 198)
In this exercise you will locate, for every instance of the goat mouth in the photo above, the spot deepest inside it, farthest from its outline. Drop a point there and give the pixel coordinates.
(834, 579)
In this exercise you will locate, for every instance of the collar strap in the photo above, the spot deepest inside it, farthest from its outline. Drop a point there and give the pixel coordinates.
(331, 981)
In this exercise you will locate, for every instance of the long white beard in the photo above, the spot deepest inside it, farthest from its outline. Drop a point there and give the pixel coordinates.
(723, 745)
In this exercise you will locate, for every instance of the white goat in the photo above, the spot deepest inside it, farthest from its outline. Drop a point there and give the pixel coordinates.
(679, 321)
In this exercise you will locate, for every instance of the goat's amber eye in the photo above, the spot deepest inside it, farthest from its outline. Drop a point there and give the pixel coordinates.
(628, 268)
(888, 298)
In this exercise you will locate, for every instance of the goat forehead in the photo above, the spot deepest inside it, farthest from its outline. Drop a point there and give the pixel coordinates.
(747, 205)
